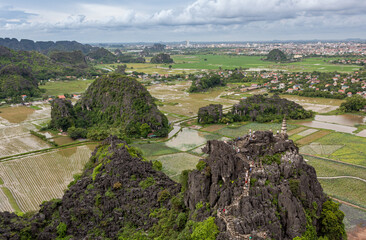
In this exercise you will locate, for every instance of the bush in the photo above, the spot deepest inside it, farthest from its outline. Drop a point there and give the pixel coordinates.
(76, 133)
(331, 219)
(147, 183)
(201, 165)
(157, 165)
(206, 230)
(163, 195)
(61, 229)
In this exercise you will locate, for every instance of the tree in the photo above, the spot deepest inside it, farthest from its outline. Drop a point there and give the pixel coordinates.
(354, 103)
(332, 221)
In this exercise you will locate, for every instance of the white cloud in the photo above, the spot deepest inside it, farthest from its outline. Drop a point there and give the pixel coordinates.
(209, 15)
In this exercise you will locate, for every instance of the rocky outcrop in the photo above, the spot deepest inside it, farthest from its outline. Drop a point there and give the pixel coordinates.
(117, 189)
(210, 114)
(257, 186)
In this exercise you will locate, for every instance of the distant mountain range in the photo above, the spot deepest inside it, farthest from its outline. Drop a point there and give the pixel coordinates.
(45, 46)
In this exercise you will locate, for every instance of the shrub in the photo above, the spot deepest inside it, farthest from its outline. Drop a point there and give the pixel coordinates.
(201, 165)
(157, 165)
(61, 229)
(117, 185)
(206, 230)
(163, 195)
(147, 183)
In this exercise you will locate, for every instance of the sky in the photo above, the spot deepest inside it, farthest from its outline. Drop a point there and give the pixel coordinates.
(112, 21)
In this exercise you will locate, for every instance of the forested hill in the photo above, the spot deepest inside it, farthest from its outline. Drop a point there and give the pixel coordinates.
(16, 81)
(113, 104)
(44, 67)
(45, 47)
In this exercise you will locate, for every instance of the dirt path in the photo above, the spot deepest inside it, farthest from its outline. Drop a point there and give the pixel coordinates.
(338, 177)
(349, 204)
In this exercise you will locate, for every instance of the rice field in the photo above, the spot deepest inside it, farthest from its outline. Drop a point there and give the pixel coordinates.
(61, 87)
(326, 168)
(154, 149)
(313, 137)
(174, 164)
(243, 130)
(354, 150)
(34, 179)
(188, 103)
(188, 139)
(319, 149)
(16, 114)
(350, 190)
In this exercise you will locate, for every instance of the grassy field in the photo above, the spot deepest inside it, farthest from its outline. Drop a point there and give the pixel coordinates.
(326, 168)
(174, 164)
(146, 68)
(155, 149)
(231, 62)
(37, 178)
(61, 87)
(353, 151)
(350, 190)
(243, 130)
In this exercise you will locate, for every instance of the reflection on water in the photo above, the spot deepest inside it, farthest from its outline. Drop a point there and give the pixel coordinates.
(331, 126)
(345, 119)
(189, 139)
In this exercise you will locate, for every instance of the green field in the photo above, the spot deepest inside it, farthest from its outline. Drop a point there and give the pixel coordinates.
(354, 150)
(349, 190)
(326, 168)
(243, 130)
(61, 87)
(11, 199)
(154, 149)
(174, 164)
(231, 62)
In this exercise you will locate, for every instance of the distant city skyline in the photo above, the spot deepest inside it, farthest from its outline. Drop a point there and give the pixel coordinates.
(93, 21)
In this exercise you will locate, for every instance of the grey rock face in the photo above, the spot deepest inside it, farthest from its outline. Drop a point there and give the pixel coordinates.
(257, 186)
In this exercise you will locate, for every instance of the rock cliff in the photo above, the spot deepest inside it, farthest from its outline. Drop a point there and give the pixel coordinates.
(258, 186)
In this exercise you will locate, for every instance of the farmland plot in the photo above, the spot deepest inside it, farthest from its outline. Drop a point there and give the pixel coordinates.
(34, 179)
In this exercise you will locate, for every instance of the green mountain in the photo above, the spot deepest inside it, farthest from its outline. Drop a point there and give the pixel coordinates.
(102, 55)
(276, 55)
(44, 47)
(16, 81)
(114, 102)
(44, 67)
(161, 58)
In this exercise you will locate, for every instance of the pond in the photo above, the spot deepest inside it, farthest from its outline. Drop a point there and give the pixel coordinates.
(345, 119)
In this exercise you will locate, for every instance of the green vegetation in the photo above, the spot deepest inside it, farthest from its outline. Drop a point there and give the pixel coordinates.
(353, 150)
(353, 104)
(155, 149)
(43, 137)
(276, 55)
(147, 182)
(161, 58)
(11, 199)
(349, 190)
(57, 88)
(128, 110)
(206, 230)
(332, 221)
(201, 165)
(206, 82)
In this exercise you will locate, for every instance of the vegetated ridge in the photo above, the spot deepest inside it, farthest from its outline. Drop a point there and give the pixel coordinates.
(161, 58)
(276, 55)
(113, 104)
(257, 108)
(265, 187)
(44, 47)
(102, 55)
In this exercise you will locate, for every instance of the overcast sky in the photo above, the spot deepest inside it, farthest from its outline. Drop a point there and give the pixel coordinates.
(177, 20)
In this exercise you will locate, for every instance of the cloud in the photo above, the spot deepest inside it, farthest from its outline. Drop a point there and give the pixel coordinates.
(200, 15)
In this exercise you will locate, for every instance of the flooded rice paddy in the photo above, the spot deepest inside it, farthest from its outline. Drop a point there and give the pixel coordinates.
(34, 179)
(186, 104)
